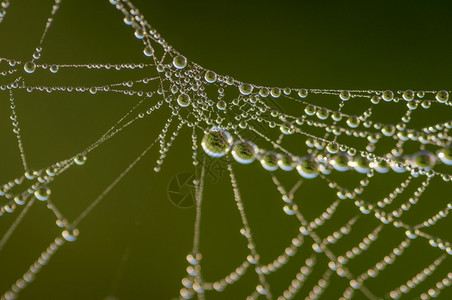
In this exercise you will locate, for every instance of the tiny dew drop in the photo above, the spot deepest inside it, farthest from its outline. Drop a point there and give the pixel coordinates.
(42, 193)
(53, 69)
(80, 159)
(70, 235)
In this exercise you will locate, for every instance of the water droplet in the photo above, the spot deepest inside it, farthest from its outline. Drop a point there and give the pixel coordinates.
(264, 92)
(408, 95)
(341, 162)
(179, 62)
(30, 67)
(445, 155)
(353, 121)
(286, 162)
(275, 92)
(388, 130)
(323, 113)
(244, 152)
(424, 159)
(183, 100)
(54, 69)
(303, 93)
(381, 166)
(442, 96)
(332, 148)
(375, 99)
(388, 95)
(345, 95)
(270, 161)
(42, 193)
(246, 88)
(308, 167)
(361, 164)
(148, 51)
(80, 159)
(310, 109)
(217, 142)
(336, 116)
(210, 76)
(70, 235)
(221, 105)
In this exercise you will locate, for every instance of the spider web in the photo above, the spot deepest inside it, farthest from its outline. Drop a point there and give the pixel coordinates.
(221, 112)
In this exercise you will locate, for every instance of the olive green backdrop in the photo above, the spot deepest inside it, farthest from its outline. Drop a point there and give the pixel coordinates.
(133, 245)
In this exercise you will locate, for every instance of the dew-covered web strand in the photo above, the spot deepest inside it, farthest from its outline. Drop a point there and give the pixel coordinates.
(206, 114)
(321, 248)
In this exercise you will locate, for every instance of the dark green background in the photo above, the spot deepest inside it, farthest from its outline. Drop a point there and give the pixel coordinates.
(345, 45)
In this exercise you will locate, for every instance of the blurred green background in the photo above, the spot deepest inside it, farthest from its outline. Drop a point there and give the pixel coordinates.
(133, 245)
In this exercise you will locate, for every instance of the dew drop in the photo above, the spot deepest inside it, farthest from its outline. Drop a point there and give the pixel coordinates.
(270, 161)
(408, 95)
(217, 142)
(341, 162)
(388, 95)
(442, 96)
(70, 235)
(148, 51)
(445, 155)
(286, 162)
(308, 167)
(424, 159)
(42, 193)
(80, 159)
(183, 100)
(54, 69)
(344, 95)
(353, 121)
(310, 109)
(246, 88)
(244, 152)
(210, 76)
(303, 93)
(30, 67)
(179, 62)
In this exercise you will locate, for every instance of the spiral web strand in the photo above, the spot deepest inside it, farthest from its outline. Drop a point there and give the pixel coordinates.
(221, 111)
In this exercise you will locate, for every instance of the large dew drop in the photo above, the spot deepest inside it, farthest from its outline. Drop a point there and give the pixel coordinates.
(341, 162)
(308, 167)
(270, 161)
(210, 76)
(442, 96)
(244, 152)
(30, 67)
(361, 164)
(286, 162)
(216, 142)
(183, 100)
(246, 88)
(179, 62)
(424, 159)
(445, 155)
